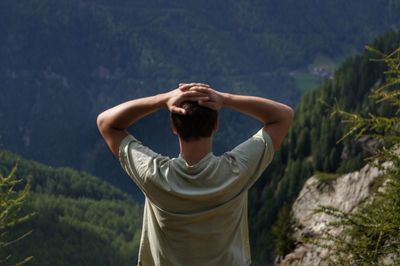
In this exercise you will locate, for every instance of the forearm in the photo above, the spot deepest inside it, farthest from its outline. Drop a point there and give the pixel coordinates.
(113, 123)
(265, 110)
(123, 115)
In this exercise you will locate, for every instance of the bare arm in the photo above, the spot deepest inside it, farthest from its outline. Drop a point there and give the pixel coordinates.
(113, 123)
(277, 117)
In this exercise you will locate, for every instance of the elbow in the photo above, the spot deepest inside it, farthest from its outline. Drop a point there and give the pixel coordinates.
(290, 114)
(105, 123)
(101, 122)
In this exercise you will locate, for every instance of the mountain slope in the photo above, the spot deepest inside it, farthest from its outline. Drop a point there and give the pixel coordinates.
(345, 193)
(62, 62)
(311, 145)
(79, 219)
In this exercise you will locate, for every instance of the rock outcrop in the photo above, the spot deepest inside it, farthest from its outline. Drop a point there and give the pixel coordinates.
(345, 193)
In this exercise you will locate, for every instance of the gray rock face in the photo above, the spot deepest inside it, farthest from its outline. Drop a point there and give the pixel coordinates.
(344, 193)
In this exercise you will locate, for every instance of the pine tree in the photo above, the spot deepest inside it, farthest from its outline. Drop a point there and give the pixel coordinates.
(371, 235)
(282, 231)
(12, 198)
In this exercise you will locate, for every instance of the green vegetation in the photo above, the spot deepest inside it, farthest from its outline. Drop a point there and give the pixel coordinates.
(305, 80)
(12, 200)
(326, 177)
(282, 231)
(371, 235)
(312, 142)
(62, 62)
(80, 220)
(325, 180)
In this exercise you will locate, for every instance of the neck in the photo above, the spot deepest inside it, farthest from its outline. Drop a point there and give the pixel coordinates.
(195, 150)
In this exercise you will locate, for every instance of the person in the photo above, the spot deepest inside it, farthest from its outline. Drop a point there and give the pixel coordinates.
(195, 210)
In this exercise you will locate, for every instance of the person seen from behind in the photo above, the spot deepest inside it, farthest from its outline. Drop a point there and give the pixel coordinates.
(195, 210)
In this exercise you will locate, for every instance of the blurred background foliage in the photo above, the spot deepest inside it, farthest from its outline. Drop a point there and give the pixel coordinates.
(62, 62)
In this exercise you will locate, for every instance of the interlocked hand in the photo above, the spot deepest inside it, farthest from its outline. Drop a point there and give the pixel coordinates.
(185, 93)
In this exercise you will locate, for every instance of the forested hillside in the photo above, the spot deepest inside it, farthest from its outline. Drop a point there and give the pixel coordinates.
(311, 146)
(79, 219)
(62, 62)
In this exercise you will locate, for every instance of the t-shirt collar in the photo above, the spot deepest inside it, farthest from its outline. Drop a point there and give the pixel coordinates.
(199, 163)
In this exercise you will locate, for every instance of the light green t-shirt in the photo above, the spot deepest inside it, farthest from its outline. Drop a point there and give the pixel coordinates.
(196, 214)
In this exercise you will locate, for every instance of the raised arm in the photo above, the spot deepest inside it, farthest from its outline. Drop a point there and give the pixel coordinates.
(277, 117)
(113, 123)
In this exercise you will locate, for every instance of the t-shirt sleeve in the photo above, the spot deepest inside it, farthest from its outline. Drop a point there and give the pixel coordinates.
(253, 155)
(139, 161)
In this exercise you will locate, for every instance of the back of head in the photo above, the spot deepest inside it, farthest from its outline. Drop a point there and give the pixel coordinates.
(198, 122)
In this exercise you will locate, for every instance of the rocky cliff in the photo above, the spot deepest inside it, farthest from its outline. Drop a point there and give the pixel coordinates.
(345, 192)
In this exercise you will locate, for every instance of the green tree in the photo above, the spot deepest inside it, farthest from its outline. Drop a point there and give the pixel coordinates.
(282, 231)
(12, 199)
(371, 235)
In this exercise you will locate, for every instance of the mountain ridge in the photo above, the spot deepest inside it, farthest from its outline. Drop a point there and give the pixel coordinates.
(65, 61)
(311, 145)
(74, 212)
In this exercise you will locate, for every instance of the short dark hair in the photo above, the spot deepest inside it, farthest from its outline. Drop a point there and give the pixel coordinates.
(198, 122)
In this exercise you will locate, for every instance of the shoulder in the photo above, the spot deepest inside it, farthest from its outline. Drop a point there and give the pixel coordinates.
(253, 155)
(260, 142)
(131, 144)
(139, 160)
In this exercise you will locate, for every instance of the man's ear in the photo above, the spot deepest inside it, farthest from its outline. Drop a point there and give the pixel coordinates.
(174, 129)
